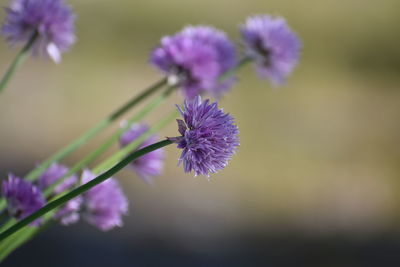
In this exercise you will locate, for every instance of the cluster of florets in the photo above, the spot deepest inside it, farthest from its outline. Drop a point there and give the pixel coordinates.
(50, 22)
(102, 206)
(208, 138)
(272, 45)
(198, 59)
(23, 198)
(150, 165)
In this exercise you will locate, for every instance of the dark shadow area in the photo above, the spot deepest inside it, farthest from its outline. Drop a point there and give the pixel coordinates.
(53, 248)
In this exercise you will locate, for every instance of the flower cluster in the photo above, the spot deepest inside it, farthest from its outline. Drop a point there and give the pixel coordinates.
(149, 165)
(209, 137)
(23, 198)
(50, 20)
(196, 58)
(102, 206)
(273, 46)
(105, 203)
(69, 213)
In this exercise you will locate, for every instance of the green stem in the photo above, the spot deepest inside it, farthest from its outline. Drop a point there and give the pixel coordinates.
(112, 139)
(21, 56)
(127, 149)
(35, 173)
(108, 163)
(5, 226)
(15, 241)
(93, 131)
(243, 62)
(123, 152)
(83, 188)
(119, 112)
(104, 123)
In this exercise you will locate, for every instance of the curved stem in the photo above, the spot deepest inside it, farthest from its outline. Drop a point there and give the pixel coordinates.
(93, 131)
(21, 56)
(35, 173)
(14, 241)
(243, 62)
(84, 138)
(5, 226)
(11, 243)
(106, 164)
(111, 140)
(83, 188)
(119, 112)
(112, 117)
(127, 149)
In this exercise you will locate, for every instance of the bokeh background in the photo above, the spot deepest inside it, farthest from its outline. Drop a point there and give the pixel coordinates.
(315, 182)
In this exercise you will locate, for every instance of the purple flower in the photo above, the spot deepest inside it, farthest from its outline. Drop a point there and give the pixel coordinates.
(152, 163)
(68, 213)
(209, 137)
(274, 47)
(52, 20)
(195, 58)
(23, 198)
(105, 203)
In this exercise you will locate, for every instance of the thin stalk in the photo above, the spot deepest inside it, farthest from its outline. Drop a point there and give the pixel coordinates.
(95, 130)
(15, 241)
(112, 160)
(83, 188)
(5, 226)
(110, 141)
(243, 62)
(104, 123)
(83, 139)
(127, 149)
(18, 60)
(112, 117)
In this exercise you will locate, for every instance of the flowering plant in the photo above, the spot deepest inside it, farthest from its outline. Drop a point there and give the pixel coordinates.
(197, 61)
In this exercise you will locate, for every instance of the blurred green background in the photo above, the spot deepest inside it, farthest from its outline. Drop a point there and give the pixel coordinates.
(316, 178)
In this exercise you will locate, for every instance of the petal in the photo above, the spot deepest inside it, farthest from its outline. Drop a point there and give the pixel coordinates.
(54, 52)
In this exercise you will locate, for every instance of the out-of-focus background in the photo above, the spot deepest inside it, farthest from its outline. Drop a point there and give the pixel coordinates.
(316, 181)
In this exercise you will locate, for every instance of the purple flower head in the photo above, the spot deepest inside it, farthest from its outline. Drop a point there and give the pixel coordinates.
(209, 137)
(68, 213)
(195, 58)
(152, 163)
(105, 203)
(23, 198)
(274, 47)
(52, 20)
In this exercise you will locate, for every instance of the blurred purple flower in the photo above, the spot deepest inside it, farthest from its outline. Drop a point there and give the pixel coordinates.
(151, 164)
(68, 213)
(209, 137)
(105, 203)
(274, 47)
(23, 198)
(195, 58)
(52, 20)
